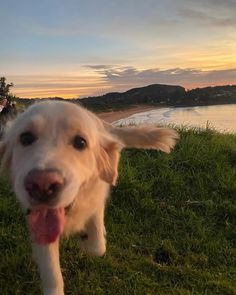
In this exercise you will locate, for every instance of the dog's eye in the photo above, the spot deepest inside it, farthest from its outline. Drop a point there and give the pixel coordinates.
(27, 138)
(79, 143)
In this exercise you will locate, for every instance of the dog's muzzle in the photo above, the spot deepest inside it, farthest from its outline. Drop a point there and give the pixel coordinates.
(44, 186)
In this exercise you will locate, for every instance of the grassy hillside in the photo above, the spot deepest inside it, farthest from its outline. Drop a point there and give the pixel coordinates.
(171, 227)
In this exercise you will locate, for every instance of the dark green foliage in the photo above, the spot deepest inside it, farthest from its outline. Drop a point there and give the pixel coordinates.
(171, 227)
(5, 88)
(6, 99)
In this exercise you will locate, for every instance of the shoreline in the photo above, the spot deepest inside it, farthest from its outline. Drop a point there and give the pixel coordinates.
(112, 116)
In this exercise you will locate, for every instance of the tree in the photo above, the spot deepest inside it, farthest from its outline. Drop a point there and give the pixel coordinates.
(7, 104)
(5, 89)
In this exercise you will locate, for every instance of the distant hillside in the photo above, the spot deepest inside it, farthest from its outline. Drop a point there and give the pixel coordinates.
(163, 94)
(156, 93)
(211, 95)
(169, 95)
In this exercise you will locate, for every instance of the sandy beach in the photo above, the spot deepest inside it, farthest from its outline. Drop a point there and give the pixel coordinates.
(117, 115)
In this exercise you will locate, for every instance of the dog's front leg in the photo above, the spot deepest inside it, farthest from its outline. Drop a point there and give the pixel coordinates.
(94, 243)
(47, 258)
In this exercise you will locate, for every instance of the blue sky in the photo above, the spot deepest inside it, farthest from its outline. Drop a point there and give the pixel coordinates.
(75, 48)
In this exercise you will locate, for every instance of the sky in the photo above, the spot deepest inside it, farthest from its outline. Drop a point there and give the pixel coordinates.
(78, 48)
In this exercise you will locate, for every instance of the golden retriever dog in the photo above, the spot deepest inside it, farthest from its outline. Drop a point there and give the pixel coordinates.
(62, 160)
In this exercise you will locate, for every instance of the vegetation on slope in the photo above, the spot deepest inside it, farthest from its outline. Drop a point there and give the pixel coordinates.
(171, 227)
(156, 94)
(160, 94)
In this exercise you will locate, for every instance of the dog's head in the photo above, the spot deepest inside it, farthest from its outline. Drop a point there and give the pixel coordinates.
(53, 148)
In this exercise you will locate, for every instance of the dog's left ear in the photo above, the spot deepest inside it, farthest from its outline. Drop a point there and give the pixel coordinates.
(108, 159)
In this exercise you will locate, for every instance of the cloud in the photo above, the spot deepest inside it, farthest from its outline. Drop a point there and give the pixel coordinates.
(207, 19)
(68, 86)
(116, 78)
(230, 4)
(121, 79)
(98, 67)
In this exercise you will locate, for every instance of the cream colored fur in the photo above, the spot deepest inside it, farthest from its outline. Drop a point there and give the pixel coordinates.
(89, 173)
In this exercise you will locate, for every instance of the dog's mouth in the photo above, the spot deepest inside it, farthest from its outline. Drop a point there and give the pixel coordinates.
(46, 224)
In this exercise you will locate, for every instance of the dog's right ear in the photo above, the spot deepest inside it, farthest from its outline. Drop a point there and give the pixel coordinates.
(145, 137)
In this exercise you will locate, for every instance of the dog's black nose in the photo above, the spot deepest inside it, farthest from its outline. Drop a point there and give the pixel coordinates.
(44, 185)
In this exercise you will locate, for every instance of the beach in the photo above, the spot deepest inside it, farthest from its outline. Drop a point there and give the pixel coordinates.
(121, 114)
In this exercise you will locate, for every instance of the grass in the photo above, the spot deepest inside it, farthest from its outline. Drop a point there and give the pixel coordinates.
(171, 226)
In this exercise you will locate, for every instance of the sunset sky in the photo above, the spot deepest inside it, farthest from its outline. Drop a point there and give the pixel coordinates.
(77, 48)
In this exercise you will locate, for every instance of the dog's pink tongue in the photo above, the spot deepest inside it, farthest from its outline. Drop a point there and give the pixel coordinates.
(46, 224)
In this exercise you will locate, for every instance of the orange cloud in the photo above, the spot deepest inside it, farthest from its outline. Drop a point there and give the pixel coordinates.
(112, 78)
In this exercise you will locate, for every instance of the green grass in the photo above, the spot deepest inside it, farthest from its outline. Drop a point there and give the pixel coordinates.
(171, 227)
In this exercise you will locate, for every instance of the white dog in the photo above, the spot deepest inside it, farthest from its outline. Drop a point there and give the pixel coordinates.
(62, 160)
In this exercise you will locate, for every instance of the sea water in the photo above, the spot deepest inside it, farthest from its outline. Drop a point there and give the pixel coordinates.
(219, 117)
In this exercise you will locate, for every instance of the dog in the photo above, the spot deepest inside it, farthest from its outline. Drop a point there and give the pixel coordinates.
(62, 160)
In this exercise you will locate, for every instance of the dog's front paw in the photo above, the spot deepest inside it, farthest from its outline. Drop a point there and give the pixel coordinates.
(94, 248)
(53, 291)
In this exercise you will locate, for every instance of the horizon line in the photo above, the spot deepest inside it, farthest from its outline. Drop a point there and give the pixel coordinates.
(98, 95)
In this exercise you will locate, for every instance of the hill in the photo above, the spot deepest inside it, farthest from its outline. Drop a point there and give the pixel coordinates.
(156, 94)
(169, 95)
(151, 94)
